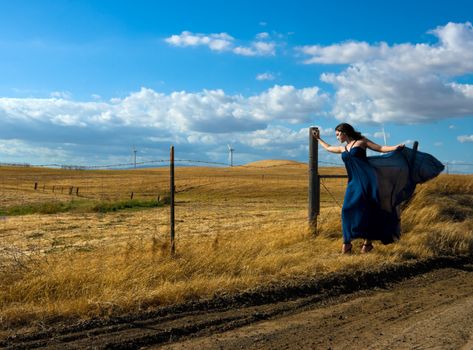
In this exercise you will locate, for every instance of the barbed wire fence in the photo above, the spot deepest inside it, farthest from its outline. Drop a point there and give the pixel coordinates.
(150, 181)
(72, 186)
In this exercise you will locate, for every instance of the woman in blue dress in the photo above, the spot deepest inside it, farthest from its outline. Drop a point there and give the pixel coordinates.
(363, 215)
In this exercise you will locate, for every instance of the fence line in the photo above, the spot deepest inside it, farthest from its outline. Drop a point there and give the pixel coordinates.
(54, 182)
(130, 166)
(153, 183)
(165, 162)
(63, 186)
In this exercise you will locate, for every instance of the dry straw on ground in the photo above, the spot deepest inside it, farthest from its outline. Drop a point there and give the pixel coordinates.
(237, 228)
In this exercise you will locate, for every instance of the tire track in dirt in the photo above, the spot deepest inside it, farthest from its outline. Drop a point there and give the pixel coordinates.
(430, 311)
(345, 295)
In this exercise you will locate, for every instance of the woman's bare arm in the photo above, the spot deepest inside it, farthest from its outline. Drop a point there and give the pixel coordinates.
(378, 148)
(333, 149)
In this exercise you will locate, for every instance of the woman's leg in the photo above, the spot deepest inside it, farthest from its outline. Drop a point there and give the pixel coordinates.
(346, 248)
(367, 246)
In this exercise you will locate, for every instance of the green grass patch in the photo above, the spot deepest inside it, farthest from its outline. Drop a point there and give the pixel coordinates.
(38, 208)
(105, 207)
(81, 206)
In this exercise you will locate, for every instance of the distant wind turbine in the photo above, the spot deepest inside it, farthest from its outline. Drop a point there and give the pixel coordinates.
(230, 155)
(384, 135)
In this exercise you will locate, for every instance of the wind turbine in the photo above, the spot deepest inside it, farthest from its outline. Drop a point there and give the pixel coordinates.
(230, 155)
(134, 153)
(384, 135)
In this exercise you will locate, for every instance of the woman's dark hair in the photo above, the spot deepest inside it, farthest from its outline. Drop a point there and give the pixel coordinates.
(348, 130)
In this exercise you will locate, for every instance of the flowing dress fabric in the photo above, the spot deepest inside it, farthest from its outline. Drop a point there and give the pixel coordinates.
(377, 186)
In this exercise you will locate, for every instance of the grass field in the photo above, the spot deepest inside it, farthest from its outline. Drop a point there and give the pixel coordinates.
(236, 228)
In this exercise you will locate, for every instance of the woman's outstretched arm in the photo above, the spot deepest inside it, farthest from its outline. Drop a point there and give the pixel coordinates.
(378, 148)
(333, 149)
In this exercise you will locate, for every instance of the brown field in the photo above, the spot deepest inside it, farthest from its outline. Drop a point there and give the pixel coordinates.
(236, 228)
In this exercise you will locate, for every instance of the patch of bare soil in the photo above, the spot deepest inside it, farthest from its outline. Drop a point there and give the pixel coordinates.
(425, 305)
(431, 311)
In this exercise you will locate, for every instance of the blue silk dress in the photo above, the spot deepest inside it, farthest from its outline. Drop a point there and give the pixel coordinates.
(377, 186)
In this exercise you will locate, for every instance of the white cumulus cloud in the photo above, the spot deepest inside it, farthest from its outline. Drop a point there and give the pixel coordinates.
(216, 42)
(349, 52)
(265, 76)
(263, 35)
(402, 83)
(224, 42)
(257, 48)
(199, 123)
(61, 94)
(285, 142)
(287, 103)
(465, 138)
(197, 117)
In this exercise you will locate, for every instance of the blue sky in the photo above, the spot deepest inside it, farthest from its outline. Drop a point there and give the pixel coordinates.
(84, 81)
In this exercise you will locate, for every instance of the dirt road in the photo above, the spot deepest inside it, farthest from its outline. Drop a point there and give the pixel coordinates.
(419, 306)
(431, 311)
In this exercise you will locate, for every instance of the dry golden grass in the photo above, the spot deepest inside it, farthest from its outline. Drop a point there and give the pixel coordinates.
(236, 228)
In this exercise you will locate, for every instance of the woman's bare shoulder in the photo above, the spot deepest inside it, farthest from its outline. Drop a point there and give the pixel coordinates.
(363, 142)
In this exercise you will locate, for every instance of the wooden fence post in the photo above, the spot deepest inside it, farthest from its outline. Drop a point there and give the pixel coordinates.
(171, 168)
(415, 146)
(314, 181)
